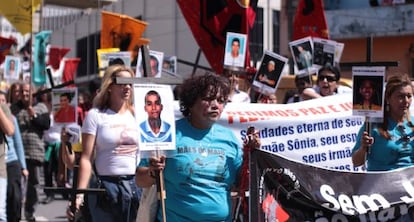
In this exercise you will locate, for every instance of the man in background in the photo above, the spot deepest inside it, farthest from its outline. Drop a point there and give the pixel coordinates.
(33, 119)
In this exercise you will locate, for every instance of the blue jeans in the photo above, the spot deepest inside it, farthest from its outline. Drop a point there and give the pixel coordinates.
(3, 197)
(119, 203)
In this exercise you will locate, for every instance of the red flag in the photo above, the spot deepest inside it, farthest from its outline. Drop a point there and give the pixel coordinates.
(209, 22)
(56, 55)
(71, 66)
(310, 20)
(5, 45)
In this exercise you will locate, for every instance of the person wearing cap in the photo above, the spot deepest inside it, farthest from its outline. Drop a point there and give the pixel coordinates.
(328, 82)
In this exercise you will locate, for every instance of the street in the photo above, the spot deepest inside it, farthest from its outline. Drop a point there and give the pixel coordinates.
(54, 211)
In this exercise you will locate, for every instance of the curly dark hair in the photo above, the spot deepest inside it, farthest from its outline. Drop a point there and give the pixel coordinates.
(209, 86)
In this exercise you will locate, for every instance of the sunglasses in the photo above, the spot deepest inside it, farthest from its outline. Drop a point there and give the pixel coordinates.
(328, 78)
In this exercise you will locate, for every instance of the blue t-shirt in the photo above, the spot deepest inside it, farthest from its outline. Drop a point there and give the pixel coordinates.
(390, 154)
(199, 177)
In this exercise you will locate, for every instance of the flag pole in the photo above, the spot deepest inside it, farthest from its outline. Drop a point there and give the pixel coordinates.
(31, 52)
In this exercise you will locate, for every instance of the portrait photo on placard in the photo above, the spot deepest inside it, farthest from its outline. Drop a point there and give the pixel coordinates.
(103, 60)
(268, 75)
(323, 52)
(368, 91)
(156, 61)
(154, 109)
(12, 67)
(169, 64)
(302, 53)
(339, 48)
(121, 58)
(235, 50)
(64, 105)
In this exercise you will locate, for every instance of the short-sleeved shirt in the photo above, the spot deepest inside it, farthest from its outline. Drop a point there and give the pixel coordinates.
(113, 131)
(199, 177)
(390, 154)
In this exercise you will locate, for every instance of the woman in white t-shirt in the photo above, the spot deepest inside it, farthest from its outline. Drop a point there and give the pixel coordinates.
(110, 137)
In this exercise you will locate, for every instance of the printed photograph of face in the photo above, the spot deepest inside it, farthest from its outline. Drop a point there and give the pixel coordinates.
(367, 93)
(64, 104)
(235, 51)
(155, 62)
(12, 68)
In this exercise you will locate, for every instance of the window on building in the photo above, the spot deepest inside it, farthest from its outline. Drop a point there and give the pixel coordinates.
(86, 51)
(256, 38)
(276, 31)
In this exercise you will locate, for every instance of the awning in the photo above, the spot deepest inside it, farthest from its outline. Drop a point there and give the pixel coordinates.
(83, 4)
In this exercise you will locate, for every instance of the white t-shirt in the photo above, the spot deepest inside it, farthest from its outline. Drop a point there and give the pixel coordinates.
(240, 97)
(231, 61)
(339, 90)
(114, 132)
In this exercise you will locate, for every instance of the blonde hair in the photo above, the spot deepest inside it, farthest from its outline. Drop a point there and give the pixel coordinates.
(102, 101)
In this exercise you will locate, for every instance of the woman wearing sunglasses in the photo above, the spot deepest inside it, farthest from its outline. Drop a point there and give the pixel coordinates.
(328, 82)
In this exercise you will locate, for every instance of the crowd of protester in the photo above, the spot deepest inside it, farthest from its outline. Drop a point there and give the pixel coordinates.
(36, 143)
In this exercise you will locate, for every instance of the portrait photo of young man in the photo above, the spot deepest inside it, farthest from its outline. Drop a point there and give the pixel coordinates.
(235, 50)
(154, 112)
(155, 61)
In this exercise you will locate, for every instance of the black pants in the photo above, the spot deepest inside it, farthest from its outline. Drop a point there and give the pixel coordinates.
(50, 169)
(14, 191)
(32, 198)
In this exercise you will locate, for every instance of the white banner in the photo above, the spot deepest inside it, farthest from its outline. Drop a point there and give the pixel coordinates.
(320, 132)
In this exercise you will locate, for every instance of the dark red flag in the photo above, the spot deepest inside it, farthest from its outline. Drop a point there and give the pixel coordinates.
(210, 20)
(310, 20)
(5, 45)
(56, 55)
(71, 66)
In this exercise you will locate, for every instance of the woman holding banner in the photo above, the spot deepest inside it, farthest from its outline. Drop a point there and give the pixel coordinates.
(199, 177)
(110, 147)
(389, 145)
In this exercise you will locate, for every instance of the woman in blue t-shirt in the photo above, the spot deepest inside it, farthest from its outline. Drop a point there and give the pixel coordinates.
(208, 159)
(389, 145)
